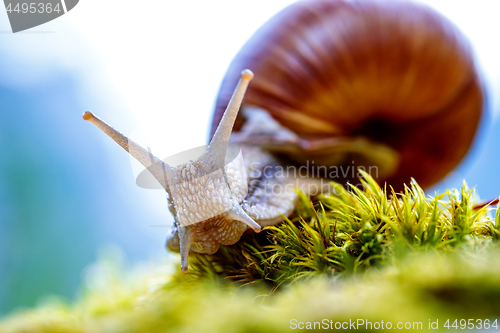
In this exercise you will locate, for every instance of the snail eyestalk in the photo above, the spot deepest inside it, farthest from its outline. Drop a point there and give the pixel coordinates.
(227, 122)
(157, 167)
(216, 152)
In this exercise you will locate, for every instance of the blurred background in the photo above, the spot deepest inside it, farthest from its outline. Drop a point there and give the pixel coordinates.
(151, 69)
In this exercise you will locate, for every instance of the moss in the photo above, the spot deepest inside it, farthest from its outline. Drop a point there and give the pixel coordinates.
(352, 232)
(366, 254)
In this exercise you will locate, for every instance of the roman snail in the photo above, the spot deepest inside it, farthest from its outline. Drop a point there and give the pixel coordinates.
(338, 84)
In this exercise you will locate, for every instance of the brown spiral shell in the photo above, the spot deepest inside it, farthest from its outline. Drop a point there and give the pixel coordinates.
(396, 72)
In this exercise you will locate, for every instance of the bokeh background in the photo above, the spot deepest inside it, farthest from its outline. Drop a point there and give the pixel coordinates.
(151, 69)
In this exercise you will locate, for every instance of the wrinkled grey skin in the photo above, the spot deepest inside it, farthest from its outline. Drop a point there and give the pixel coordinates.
(268, 199)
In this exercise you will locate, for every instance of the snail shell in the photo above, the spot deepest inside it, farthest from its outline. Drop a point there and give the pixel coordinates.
(396, 73)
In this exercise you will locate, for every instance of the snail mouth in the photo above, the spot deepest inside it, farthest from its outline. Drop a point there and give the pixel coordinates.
(209, 234)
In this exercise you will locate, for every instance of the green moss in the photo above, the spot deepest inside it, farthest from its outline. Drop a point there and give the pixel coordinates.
(371, 254)
(352, 232)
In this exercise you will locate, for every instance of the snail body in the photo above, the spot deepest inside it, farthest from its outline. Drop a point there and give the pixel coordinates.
(337, 83)
(210, 197)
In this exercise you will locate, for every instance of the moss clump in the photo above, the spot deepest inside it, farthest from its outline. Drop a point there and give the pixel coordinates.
(365, 254)
(352, 232)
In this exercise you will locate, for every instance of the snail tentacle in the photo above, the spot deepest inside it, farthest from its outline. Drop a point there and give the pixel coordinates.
(216, 151)
(157, 167)
(238, 214)
(185, 241)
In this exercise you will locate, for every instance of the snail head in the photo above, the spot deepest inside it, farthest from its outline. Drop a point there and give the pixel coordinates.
(204, 194)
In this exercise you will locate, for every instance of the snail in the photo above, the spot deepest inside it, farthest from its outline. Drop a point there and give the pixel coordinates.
(344, 84)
